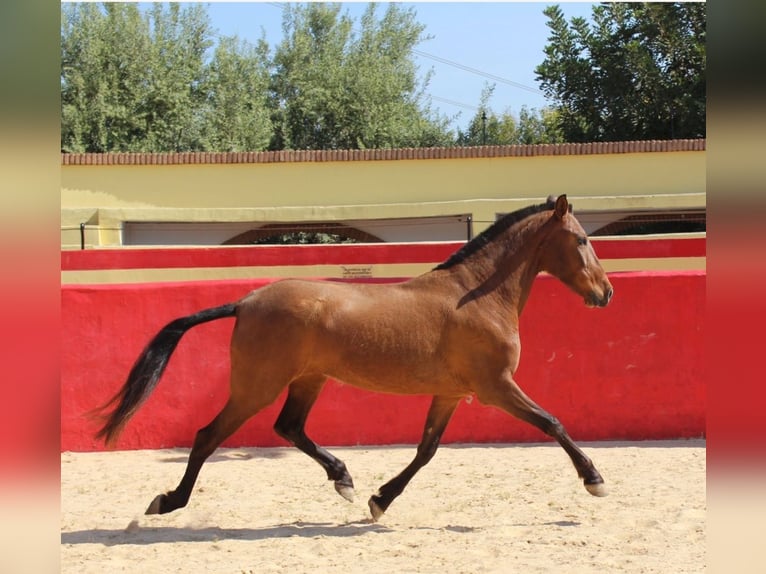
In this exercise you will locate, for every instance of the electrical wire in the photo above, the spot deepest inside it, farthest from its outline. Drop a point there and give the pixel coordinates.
(454, 103)
(477, 72)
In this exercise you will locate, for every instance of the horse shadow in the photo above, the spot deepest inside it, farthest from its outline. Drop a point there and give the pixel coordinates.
(228, 454)
(148, 535)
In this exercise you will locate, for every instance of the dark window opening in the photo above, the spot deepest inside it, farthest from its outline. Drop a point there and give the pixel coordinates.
(302, 234)
(645, 224)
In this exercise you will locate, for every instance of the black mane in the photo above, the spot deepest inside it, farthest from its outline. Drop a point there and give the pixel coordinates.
(489, 234)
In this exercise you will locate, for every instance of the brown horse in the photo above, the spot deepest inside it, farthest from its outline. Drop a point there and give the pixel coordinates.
(452, 332)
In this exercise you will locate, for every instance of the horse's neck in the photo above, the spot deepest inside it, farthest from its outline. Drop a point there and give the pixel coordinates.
(506, 268)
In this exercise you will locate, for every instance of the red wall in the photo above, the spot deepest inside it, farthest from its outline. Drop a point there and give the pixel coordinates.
(633, 370)
(342, 254)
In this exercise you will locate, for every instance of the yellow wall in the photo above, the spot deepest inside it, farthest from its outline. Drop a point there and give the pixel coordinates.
(105, 196)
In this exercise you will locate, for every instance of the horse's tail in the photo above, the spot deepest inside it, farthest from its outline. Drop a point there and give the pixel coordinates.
(148, 369)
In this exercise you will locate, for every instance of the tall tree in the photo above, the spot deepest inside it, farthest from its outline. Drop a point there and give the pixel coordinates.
(103, 74)
(131, 81)
(333, 88)
(236, 113)
(306, 85)
(180, 39)
(141, 78)
(385, 103)
(636, 72)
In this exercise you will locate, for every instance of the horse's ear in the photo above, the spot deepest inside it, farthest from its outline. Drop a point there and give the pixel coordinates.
(562, 206)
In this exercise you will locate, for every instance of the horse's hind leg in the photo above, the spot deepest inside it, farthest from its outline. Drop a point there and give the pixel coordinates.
(439, 415)
(290, 425)
(510, 398)
(233, 415)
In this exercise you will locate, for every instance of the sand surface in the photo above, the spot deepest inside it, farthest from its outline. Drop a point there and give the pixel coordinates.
(472, 509)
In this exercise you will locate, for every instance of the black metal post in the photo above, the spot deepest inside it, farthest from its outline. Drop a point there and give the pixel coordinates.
(469, 227)
(82, 236)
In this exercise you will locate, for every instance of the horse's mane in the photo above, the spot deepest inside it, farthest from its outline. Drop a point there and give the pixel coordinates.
(489, 234)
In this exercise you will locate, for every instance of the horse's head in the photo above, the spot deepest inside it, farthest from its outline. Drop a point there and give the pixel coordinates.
(568, 255)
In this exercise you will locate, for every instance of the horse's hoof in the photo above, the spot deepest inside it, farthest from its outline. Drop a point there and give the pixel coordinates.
(156, 505)
(375, 510)
(345, 491)
(597, 489)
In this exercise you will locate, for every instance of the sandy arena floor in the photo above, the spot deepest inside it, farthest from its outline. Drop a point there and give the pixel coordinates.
(473, 509)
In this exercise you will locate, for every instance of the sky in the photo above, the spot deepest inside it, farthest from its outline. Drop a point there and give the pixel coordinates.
(501, 39)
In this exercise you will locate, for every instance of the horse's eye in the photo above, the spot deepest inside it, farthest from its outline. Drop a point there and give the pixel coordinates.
(582, 240)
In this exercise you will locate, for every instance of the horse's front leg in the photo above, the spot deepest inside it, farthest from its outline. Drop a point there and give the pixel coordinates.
(510, 398)
(439, 415)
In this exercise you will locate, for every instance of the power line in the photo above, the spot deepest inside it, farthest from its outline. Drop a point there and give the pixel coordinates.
(454, 103)
(461, 67)
(478, 72)
(456, 65)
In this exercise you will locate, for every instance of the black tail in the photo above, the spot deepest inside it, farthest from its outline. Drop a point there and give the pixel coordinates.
(148, 369)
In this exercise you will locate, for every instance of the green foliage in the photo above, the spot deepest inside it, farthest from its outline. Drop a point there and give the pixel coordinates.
(101, 73)
(336, 89)
(529, 127)
(237, 117)
(131, 81)
(304, 238)
(180, 39)
(146, 81)
(636, 72)
(160, 80)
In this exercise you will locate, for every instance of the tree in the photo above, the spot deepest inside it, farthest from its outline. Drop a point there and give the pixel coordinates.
(333, 88)
(489, 128)
(385, 102)
(104, 53)
(132, 81)
(180, 39)
(141, 78)
(236, 112)
(638, 72)
(538, 127)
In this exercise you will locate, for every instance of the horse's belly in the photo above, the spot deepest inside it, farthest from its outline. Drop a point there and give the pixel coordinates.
(404, 373)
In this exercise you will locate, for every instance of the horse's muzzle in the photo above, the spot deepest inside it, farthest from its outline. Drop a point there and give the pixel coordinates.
(600, 299)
